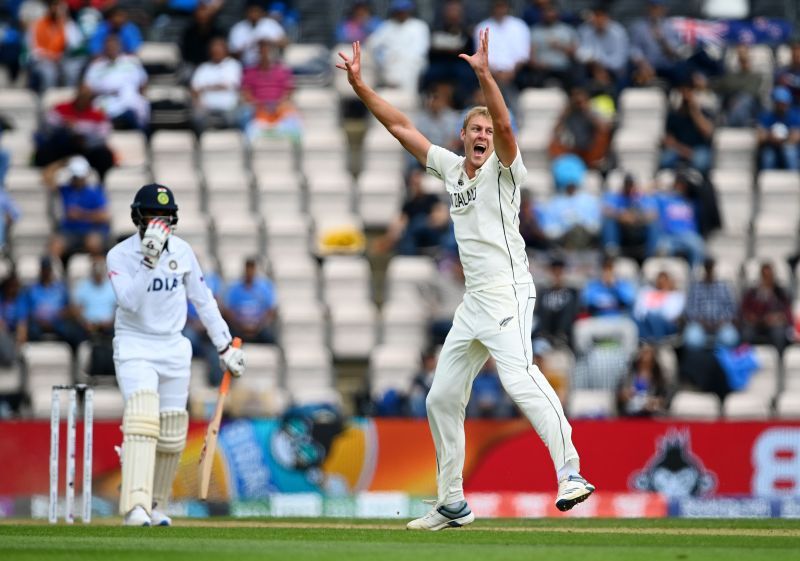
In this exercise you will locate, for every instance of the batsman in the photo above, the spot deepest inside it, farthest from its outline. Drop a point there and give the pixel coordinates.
(153, 272)
(496, 315)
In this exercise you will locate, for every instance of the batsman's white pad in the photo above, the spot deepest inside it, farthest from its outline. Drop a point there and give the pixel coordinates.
(140, 429)
(171, 440)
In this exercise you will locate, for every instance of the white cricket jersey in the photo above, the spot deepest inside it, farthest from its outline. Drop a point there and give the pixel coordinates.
(154, 302)
(485, 212)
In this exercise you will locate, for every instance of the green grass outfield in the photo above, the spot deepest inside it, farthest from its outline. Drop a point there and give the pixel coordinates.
(387, 540)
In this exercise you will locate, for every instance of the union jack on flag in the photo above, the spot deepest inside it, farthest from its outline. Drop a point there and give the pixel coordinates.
(693, 31)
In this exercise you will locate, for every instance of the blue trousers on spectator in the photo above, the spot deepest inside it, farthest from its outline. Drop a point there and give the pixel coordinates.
(5, 162)
(653, 327)
(783, 156)
(695, 335)
(689, 243)
(614, 235)
(700, 160)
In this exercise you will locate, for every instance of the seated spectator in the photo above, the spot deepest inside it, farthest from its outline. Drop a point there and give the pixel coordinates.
(215, 89)
(84, 209)
(710, 311)
(250, 306)
(118, 80)
(198, 35)
(678, 232)
(47, 311)
(438, 121)
(607, 295)
(553, 47)
(358, 24)
(767, 312)
(654, 45)
(488, 400)
(643, 391)
(658, 308)
(12, 310)
(116, 23)
(630, 221)
(779, 134)
(266, 91)
(529, 226)
(449, 38)
(557, 307)
(571, 219)
(75, 128)
(553, 371)
(94, 304)
(688, 133)
(789, 75)
(511, 47)
(603, 43)
(399, 47)
(245, 37)
(445, 296)
(422, 225)
(94, 301)
(9, 213)
(195, 331)
(421, 384)
(581, 130)
(49, 42)
(740, 91)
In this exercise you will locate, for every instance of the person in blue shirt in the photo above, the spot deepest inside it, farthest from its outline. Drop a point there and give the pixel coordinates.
(678, 230)
(84, 209)
(608, 295)
(94, 301)
(46, 312)
(195, 331)
(779, 133)
(250, 306)
(12, 307)
(116, 23)
(630, 221)
(571, 219)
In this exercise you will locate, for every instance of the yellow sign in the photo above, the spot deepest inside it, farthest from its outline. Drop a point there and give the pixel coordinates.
(163, 198)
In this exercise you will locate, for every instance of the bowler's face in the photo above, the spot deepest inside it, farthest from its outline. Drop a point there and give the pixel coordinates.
(478, 140)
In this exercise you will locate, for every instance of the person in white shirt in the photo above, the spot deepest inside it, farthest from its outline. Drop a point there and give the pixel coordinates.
(256, 26)
(399, 47)
(118, 82)
(496, 315)
(153, 273)
(215, 89)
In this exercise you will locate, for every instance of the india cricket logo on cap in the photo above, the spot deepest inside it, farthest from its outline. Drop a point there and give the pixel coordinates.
(163, 198)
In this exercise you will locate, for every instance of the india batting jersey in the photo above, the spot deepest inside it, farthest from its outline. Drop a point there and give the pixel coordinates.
(485, 212)
(154, 302)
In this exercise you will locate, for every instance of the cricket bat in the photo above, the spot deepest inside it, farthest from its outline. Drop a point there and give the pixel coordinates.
(210, 443)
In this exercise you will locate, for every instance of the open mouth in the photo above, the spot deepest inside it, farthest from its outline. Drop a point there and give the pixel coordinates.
(479, 149)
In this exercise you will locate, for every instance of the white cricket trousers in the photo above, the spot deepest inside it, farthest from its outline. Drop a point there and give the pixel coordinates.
(494, 322)
(160, 364)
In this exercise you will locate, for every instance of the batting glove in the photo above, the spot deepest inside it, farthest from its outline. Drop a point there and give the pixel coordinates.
(233, 360)
(153, 242)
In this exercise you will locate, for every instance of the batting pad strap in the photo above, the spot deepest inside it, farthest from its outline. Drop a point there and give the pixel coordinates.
(141, 414)
(174, 428)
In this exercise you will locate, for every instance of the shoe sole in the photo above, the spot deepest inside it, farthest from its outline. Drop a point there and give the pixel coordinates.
(566, 504)
(455, 523)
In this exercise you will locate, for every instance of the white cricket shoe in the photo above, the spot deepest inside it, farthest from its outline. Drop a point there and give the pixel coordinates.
(158, 518)
(137, 516)
(572, 490)
(440, 517)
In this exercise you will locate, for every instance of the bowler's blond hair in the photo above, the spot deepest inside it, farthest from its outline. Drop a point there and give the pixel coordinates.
(474, 112)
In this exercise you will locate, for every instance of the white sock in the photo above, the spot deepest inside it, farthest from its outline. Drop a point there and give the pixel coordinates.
(567, 470)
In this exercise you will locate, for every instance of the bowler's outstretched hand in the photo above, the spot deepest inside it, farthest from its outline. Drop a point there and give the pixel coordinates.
(480, 60)
(352, 65)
